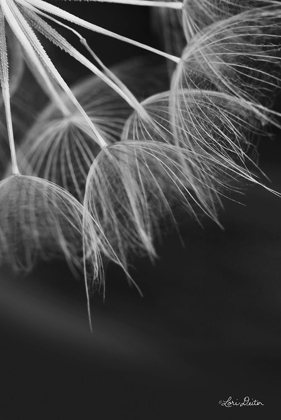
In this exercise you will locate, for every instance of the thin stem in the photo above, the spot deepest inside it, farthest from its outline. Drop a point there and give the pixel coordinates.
(41, 73)
(34, 49)
(132, 101)
(7, 104)
(88, 303)
(109, 77)
(169, 4)
(49, 88)
(85, 233)
(50, 8)
(4, 77)
(128, 96)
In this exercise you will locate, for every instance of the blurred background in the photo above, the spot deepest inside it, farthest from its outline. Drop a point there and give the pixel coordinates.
(207, 327)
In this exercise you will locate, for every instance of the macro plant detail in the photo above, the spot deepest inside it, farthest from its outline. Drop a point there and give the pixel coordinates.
(109, 159)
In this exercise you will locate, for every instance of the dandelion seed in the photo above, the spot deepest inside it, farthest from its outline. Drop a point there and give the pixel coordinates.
(219, 91)
(38, 220)
(130, 187)
(239, 56)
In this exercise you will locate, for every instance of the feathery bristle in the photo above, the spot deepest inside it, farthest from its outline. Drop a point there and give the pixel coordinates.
(61, 148)
(131, 186)
(16, 68)
(239, 56)
(16, 63)
(198, 14)
(214, 129)
(38, 220)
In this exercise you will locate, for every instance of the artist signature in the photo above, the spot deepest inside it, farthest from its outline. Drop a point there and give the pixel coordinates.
(247, 402)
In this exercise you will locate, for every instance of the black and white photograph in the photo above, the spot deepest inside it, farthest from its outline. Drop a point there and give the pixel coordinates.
(140, 209)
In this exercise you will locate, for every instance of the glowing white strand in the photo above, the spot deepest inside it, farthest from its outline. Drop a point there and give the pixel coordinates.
(150, 3)
(4, 76)
(81, 22)
(61, 42)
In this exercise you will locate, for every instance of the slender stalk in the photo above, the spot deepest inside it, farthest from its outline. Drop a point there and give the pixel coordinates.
(36, 63)
(7, 104)
(127, 94)
(4, 77)
(50, 8)
(34, 49)
(108, 76)
(49, 89)
(169, 4)
(88, 300)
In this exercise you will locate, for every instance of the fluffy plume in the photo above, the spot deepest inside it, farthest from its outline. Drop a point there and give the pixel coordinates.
(16, 67)
(38, 220)
(239, 56)
(61, 148)
(219, 130)
(131, 186)
(213, 129)
(228, 74)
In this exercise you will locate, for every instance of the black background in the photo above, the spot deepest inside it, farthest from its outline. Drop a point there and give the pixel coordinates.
(208, 326)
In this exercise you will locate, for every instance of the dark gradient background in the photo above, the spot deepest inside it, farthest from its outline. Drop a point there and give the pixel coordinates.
(208, 326)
